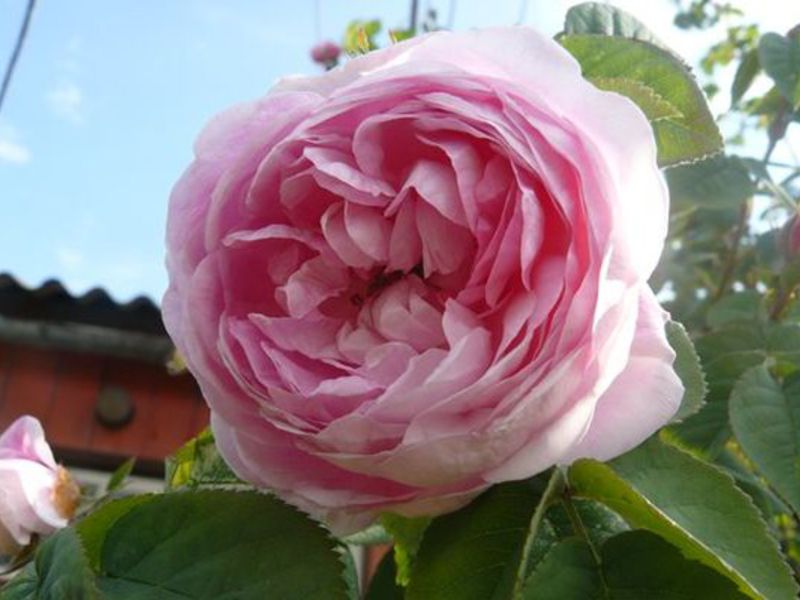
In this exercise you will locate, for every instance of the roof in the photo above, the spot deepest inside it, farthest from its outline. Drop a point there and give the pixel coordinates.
(49, 316)
(51, 301)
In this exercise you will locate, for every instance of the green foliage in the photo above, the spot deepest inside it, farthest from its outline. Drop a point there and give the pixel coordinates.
(119, 477)
(780, 57)
(692, 505)
(685, 132)
(216, 544)
(60, 572)
(407, 535)
(94, 528)
(746, 73)
(766, 420)
(687, 366)
(604, 19)
(631, 566)
(483, 550)
(359, 36)
(198, 463)
(716, 183)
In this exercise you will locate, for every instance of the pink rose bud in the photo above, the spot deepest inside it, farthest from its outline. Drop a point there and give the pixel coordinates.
(326, 53)
(403, 281)
(36, 495)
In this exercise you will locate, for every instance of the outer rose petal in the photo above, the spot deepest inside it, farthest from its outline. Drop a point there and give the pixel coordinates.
(642, 398)
(28, 482)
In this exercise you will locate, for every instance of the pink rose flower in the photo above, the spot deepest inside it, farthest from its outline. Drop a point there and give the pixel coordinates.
(36, 495)
(326, 53)
(421, 274)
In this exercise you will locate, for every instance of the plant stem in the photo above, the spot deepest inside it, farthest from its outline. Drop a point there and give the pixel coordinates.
(580, 530)
(729, 269)
(554, 487)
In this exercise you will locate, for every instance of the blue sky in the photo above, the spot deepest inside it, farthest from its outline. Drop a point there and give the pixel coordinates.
(108, 97)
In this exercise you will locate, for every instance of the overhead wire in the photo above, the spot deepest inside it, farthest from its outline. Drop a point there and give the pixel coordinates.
(15, 53)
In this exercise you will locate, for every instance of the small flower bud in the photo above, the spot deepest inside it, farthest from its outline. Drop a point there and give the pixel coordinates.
(326, 54)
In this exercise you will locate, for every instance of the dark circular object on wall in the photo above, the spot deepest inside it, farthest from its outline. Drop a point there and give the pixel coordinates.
(114, 408)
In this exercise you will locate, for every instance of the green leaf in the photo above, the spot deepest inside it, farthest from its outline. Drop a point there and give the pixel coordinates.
(198, 463)
(746, 73)
(216, 544)
(716, 183)
(93, 528)
(692, 505)
(483, 550)
(654, 106)
(568, 572)
(780, 57)
(635, 565)
(599, 521)
(384, 583)
(689, 135)
(359, 36)
(118, 477)
(743, 306)
(766, 420)
(687, 366)
(60, 571)
(407, 534)
(604, 19)
(705, 433)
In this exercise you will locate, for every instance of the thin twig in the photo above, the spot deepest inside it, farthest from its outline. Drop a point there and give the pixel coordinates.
(729, 269)
(12, 61)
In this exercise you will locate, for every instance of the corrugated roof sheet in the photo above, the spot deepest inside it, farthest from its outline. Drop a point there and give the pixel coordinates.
(51, 301)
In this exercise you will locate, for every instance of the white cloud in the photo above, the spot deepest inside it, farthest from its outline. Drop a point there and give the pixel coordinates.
(66, 102)
(69, 259)
(14, 153)
(12, 150)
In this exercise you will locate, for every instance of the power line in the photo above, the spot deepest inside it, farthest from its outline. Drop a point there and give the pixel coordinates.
(412, 20)
(12, 62)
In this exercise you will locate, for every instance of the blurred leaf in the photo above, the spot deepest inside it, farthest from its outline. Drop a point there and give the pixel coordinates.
(198, 463)
(399, 35)
(407, 534)
(746, 73)
(604, 19)
(687, 366)
(219, 544)
(359, 36)
(690, 135)
(716, 183)
(634, 565)
(479, 551)
(120, 475)
(739, 307)
(60, 571)
(766, 420)
(780, 58)
(692, 505)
